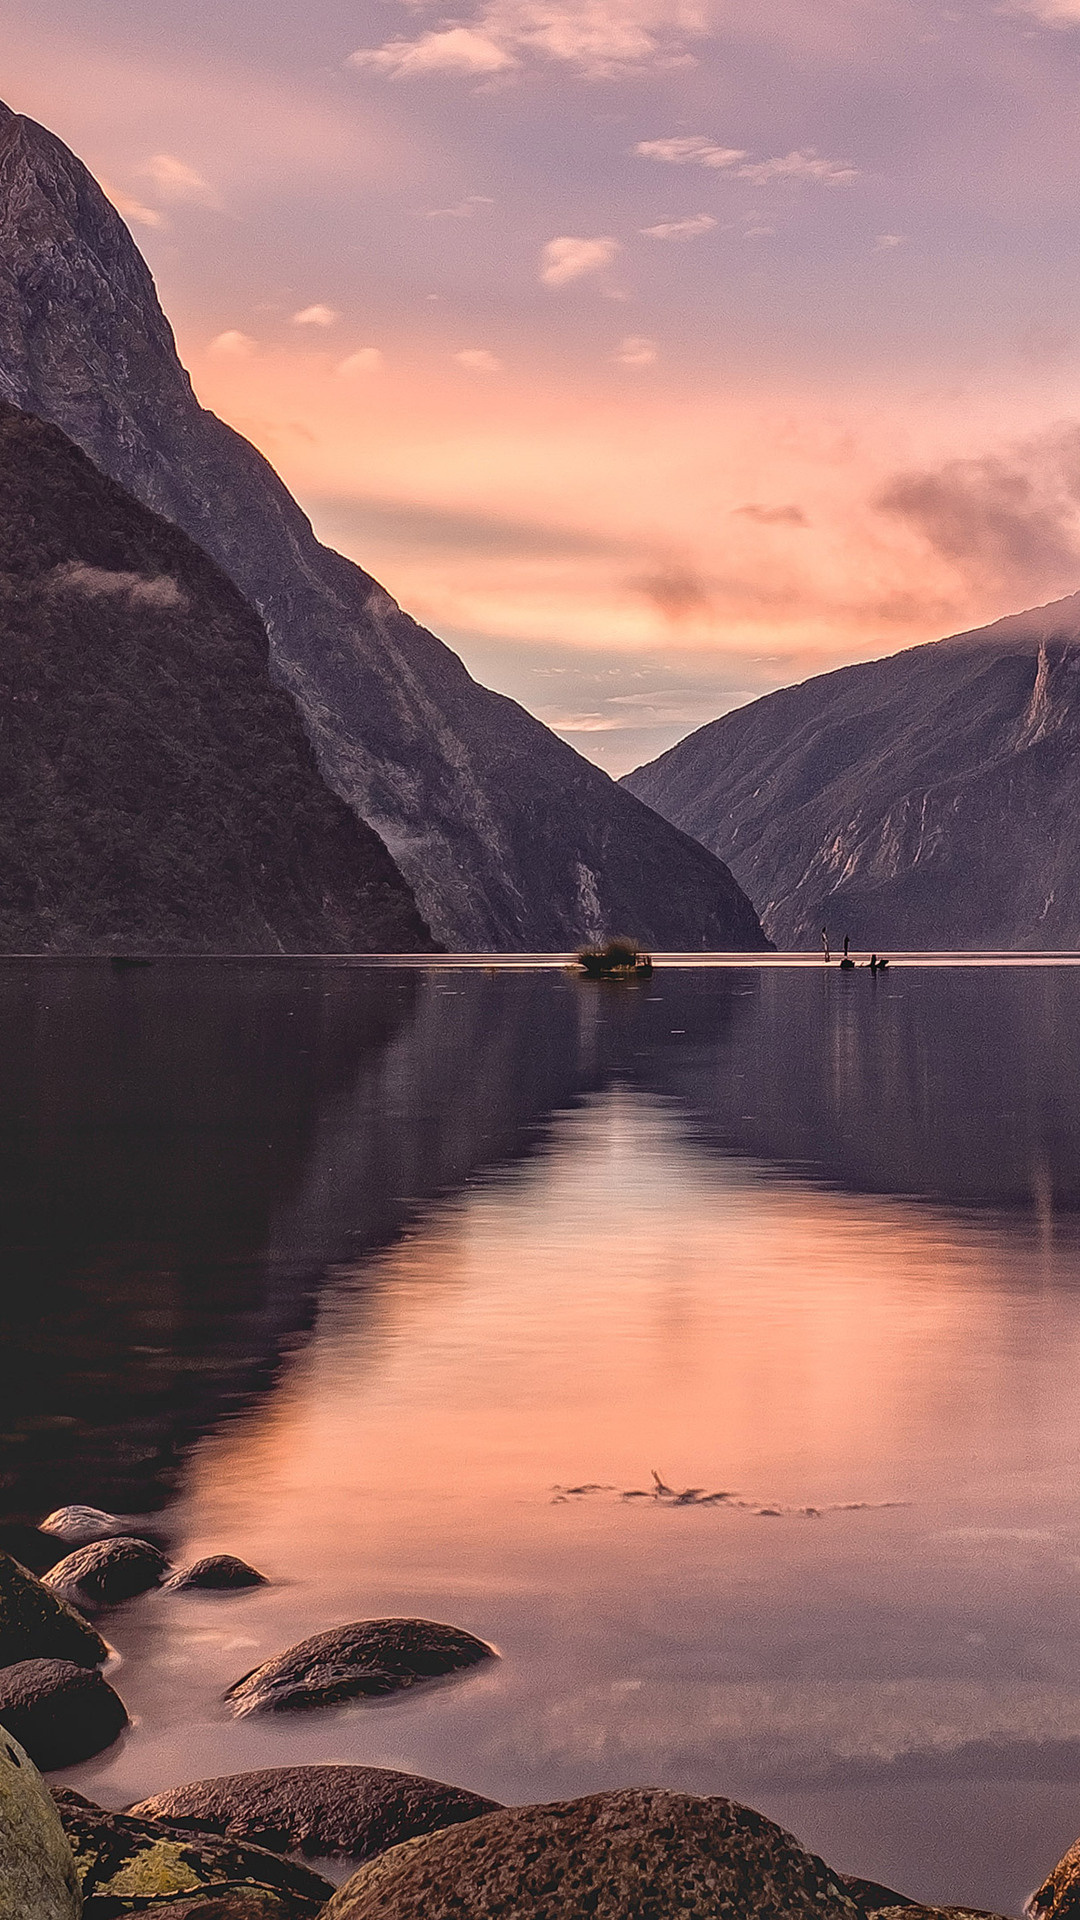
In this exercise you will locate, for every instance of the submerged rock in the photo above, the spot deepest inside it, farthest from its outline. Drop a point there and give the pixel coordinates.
(38, 1880)
(35, 1624)
(79, 1526)
(121, 1859)
(218, 1572)
(225, 1903)
(612, 1856)
(59, 1712)
(351, 1812)
(911, 1910)
(108, 1571)
(369, 1657)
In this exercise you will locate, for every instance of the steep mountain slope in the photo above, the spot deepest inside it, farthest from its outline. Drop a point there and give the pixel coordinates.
(931, 800)
(156, 788)
(508, 837)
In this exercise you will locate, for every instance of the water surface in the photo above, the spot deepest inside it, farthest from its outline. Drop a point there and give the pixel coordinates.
(356, 1270)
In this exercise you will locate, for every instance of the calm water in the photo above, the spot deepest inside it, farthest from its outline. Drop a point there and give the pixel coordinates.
(349, 1269)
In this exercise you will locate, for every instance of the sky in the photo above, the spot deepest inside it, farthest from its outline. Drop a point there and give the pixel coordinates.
(654, 353)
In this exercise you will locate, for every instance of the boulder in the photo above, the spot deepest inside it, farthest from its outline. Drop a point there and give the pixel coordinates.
(217, 1903)
(106, 1572)
(347, 1812)
(870, 1895)
(38, 1880)
(35, 1624)
(369, 1657)
(78, 1526)
(59, 1712)
(130, 1863)
(612, 1856)
(219, 1572)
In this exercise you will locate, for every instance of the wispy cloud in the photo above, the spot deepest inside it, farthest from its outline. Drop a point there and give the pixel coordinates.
(132, 210)
(688, 229)
(568, 258)
(636, 351)
(1052, 13)
(479, 360)
(364, 360)
(888, 242)
(601, 39)
(315, 317)
(176, 181)
(697, 150)
(790, 516)
(233, 345)
(464, 210)
(690, 150)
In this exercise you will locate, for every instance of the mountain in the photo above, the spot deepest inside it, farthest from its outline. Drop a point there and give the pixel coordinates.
(507, 836)
(156, 789)
(930, 800)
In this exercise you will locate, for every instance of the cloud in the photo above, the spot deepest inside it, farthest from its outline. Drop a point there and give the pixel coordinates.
(888, 242)
(678, 591)
(315, 317)
(233, 345)
(175, 180)
(567, 258)
(772, 516)
(1008, 519)
(479, 360)
(97, 583)
(697, 150)
(464, 210)
(688, 229)
(449, 50)
(804, 165)
(1052, 13)
(364, 360)
(690, 150)
(601, 39)
(636, 351)
(132, 210)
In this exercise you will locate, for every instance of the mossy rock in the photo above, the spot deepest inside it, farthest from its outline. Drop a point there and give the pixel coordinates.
(38, 1880)
(218, 1903)
(911, 1910)
(1059, 1896)
(125, 1865)
(632, 1855)
(36, 1625)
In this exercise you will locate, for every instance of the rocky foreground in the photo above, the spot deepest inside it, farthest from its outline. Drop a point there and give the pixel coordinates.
(235, 1848)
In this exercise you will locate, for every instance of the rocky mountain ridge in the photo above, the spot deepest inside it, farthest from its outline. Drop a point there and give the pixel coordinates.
(157, 791)
(926, 801)
(508, 837)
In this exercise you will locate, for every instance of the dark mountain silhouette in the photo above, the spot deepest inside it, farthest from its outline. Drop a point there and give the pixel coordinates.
(930, 800)
(508, 837)
(156, 789)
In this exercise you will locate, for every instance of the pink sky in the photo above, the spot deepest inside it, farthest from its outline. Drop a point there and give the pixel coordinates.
(653, 352)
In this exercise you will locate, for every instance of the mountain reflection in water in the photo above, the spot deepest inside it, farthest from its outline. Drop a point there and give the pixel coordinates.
(345, 1269)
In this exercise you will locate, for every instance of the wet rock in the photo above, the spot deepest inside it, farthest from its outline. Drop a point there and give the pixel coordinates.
(369, 1657)
(108, 1571)
(59, 1712)
(351, 1812)
(126, 1864)
(1059, 1896)
(612, 1856)
(218, 1572)
(35, 1624)
(37, 1869)
(80, 1526)
(870, 1895)
(224, 1903)
(911, 1910)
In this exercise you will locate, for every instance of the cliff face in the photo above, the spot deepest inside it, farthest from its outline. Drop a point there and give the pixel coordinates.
(931, 800)
(156, 789)
(508, 837)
